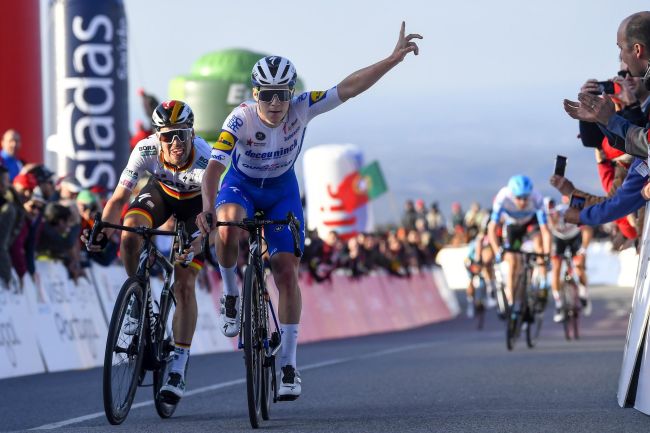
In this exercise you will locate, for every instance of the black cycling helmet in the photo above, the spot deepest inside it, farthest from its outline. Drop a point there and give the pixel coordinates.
(172, 112)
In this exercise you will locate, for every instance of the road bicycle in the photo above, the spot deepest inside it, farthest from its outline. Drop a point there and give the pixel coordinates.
(528, 310)
(259, 341)
(571, 305)
(139, 335)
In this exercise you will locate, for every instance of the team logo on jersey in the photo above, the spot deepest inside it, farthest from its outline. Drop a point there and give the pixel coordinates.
(225, 142)
(314, 97)
(259, 136)
(234, 123)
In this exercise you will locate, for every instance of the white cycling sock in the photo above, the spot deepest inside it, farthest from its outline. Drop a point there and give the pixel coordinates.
(289, 344)
(582, 291)
(229, 281)
(181, 355)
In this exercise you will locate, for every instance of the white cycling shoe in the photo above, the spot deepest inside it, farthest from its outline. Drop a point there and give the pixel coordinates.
(290, 384)
(229, 318)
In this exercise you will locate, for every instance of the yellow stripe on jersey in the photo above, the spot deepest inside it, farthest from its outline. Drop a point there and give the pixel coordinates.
(225, 142)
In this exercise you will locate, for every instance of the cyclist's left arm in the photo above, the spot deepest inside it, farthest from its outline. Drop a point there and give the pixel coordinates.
(361, 80)
(542, 219)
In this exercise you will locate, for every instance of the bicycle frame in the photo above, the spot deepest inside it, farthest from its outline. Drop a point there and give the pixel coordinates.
(272, 341)
(150, 255)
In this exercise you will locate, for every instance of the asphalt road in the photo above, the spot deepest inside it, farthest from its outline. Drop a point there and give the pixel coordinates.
(446, 377)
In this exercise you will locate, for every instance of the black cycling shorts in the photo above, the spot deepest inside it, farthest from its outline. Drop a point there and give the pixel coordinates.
(559, 246)
(157, 206)
(513, 235)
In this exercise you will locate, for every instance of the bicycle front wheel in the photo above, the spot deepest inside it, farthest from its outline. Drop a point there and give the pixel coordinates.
(124, 351)
(253, 348)
(164, 407)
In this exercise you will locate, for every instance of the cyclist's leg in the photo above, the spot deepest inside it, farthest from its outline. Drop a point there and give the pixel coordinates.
(578, 254)
(183, 325)
(148, 209)
(512, 237)
(557, 252)
(185, 314)
(285, 265)
(232, 204)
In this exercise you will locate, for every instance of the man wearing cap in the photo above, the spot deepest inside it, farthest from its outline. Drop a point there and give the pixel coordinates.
(8, 216)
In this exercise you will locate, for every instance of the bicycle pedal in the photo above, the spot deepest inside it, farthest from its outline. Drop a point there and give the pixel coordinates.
(168, 397)
(268, 361)
(287, 397)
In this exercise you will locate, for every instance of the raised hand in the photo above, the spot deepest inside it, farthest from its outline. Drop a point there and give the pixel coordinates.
(405, 44)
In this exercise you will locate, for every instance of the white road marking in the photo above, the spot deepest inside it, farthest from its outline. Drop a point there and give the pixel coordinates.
(221, 385)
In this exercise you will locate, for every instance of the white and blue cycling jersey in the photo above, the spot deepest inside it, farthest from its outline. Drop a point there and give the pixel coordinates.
(261, 174)
(505, 209)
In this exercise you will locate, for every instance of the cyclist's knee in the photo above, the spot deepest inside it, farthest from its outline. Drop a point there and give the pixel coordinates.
(130, 242)
(229, 236)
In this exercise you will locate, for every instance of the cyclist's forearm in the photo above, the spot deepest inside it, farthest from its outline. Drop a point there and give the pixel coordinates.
(210, 184)
(112, 213)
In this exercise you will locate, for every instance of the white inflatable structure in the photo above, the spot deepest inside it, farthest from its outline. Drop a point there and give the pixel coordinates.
(334, 189)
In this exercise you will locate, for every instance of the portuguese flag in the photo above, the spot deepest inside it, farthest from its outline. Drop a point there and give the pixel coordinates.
(359, 187)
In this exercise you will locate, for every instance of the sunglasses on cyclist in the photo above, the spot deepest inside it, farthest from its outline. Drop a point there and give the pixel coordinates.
(623, 73)
(522, 197)
(267, 95)
(167, 137)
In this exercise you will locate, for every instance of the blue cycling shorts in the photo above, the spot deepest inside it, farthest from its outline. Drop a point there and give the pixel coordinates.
(275, 199)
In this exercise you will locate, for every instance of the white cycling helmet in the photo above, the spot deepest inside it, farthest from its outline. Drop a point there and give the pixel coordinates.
(274, 71)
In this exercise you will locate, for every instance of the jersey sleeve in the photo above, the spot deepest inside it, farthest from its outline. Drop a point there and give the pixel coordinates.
(540, 212)
(232, 128)
(136, 165)
(311, 104)
(497, 207)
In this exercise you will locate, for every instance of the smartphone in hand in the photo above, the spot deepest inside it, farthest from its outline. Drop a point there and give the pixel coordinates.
(560, 165)
(577, 201)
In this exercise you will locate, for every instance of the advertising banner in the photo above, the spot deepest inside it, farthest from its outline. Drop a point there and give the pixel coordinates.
(634, 368)
(19, 354)
(69, 322)
(90, 92)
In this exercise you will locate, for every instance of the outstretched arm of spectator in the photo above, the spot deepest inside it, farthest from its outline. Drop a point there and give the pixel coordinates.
(627, 199)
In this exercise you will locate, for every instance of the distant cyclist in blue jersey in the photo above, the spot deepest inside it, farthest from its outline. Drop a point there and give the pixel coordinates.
(262, 140)
(520, 210)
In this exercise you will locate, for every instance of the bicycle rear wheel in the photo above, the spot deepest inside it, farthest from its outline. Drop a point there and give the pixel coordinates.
(124, 351)
(164, 407)
(253, 349)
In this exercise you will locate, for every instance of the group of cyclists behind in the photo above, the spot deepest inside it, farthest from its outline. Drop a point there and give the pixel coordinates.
(522, 218)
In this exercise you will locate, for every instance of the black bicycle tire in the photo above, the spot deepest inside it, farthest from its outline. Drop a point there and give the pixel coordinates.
(267, 390)
(251, 349)
(115, 415)
(480, 315)
(576, 323)
(163, 408)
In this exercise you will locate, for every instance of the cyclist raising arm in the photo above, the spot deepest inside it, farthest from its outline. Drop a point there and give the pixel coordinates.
(263, 140)
(176, 160)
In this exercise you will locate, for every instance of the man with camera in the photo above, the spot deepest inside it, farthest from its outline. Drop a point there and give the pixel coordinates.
(634, 102)
(633, 40)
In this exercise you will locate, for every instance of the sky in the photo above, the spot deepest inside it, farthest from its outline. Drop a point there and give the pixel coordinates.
(482, 101)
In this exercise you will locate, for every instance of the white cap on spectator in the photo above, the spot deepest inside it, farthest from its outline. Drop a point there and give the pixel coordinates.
(37, 195)
(71, 184)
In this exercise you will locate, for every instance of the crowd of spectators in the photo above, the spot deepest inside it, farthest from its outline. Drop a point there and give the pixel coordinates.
(41, 216)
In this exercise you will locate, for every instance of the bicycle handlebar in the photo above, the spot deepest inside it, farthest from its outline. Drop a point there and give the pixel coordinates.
(98, 225)
(250, 224)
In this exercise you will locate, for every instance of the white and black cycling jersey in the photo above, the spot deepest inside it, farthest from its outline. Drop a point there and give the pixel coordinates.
(179, 182)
